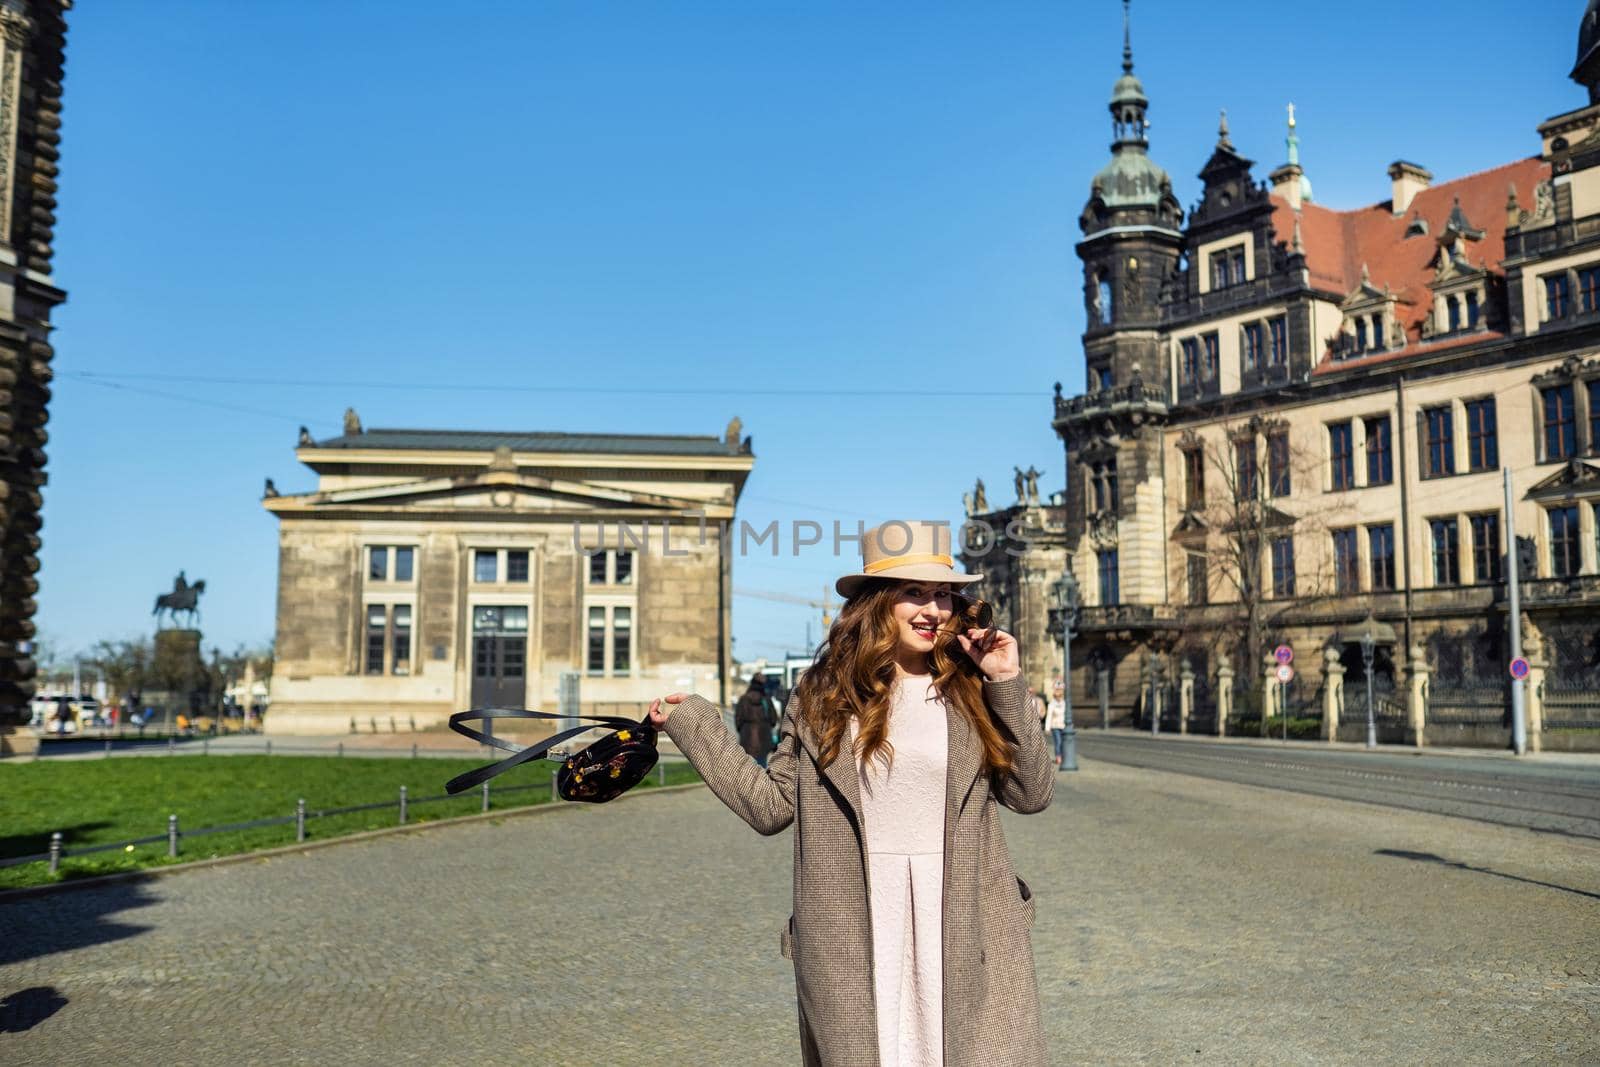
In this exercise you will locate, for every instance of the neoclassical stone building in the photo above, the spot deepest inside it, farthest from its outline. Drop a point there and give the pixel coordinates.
(32, 45)
(437, 570)
(1297, 418)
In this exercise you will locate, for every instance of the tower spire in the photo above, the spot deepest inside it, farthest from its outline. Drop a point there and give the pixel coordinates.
(1127, 40)
(1293, 141)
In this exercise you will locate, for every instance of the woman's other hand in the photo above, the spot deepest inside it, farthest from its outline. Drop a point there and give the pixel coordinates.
(658, 713)
(994, 651)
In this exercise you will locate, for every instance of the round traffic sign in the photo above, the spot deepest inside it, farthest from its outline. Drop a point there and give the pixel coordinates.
(1519, 668)
(1285, 673)
(1283, 654)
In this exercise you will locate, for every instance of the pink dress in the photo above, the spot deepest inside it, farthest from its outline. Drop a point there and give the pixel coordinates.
(903, 812)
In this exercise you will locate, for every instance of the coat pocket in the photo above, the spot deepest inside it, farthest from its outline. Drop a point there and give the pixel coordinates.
(786, 939)
(1027, 900)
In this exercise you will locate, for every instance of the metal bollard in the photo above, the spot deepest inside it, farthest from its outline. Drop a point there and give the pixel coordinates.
(553, 794)
(172, 745)
(485, 796)
(414, 752)
(300, 819)
(392, 728)
(108, 748)
(172, 837)
(269, 746)
(402, 805)
(353, 724)
(205, 747)
(341, 748)
(55, 852)
(661, 773)
(374, 721)
(413, 724)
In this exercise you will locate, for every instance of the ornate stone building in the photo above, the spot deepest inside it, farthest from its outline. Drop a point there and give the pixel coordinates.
(33, 40)
(434, 570)
(1296, 418)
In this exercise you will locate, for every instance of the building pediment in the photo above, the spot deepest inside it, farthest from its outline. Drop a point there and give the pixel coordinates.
(1575, 478)
(492, 491)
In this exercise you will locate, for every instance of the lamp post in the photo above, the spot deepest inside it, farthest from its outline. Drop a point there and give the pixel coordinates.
(1063, 617)
(1368, 643)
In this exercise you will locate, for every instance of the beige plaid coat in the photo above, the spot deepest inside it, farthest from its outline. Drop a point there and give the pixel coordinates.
(991, 999)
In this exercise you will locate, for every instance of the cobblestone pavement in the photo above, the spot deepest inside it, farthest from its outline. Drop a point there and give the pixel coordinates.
(1180, 921)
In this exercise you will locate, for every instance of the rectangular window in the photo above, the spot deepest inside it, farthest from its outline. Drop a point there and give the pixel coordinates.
(623, 568)
(1472, 309)
(1564, 555)
(1486, 547)
(1208, 367)
(1453, 308)
(597, 641)
(1594, 417)
(1341, 449)
(1346, 563)
(1283, 566)
(1380, 458)
(1238, 266)
(1197, 577)
(1279, 329)
(401, 639)
(1102, 378)
(1377, 333)
(378, 564)
(517, 565)
(1189, 360)
(485, 565)
(1254, 345)
(1361, 334)
(621, 640)
(1109, 593)
(1221, 270)
(1560, 423)
(404, 561)
(1483, 450)
(377, 623)
(1194, 478)
(1589, 289)
(1380, 549)
(1439, 444)
(1557, 296)
(1244, 465)
(597, 567)
(378, 561)
(1446, 551)
(1278, 463)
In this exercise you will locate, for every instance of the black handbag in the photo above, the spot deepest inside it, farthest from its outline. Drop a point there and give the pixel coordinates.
(596, 773)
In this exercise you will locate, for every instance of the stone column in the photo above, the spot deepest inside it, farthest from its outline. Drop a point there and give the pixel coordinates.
(1185, 696)
(1224, 694)
(1269, 690)
(1417, 697)
(1332, 693)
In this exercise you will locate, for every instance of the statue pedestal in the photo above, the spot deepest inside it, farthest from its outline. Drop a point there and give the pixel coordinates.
(180, 674)
(18, 741)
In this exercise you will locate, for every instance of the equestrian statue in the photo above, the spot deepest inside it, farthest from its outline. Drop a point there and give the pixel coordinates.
(184, 597)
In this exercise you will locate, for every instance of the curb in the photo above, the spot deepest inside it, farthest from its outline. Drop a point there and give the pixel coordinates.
(24, 892)
(1573, 759)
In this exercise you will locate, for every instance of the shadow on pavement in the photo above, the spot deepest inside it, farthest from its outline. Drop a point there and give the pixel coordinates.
(1429, 857)
(27, 1008)
(72, 918)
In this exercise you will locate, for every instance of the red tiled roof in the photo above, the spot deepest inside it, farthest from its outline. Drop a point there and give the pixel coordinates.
(1330, 366)
(1338, 243)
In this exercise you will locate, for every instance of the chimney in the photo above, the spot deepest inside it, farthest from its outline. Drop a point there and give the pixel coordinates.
(1409, 180)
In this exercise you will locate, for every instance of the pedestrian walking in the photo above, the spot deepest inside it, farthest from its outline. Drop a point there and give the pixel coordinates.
(1056, 722)
(1036, 702)
(911, 933)
(753, 718)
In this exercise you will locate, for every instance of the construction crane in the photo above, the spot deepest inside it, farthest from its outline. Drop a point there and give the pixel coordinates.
(825, 605)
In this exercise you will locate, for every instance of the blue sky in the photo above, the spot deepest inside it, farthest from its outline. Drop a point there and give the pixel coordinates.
(443, 215)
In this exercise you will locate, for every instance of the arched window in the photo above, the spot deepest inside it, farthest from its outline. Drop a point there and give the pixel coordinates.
(1105, 300)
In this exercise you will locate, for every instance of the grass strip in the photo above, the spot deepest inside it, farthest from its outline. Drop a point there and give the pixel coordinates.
(95, 802)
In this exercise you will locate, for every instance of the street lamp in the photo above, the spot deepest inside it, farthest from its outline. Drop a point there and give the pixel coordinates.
(1369, 641)
(1063, 617)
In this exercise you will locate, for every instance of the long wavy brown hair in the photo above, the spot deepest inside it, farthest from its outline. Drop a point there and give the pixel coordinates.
(854, 675)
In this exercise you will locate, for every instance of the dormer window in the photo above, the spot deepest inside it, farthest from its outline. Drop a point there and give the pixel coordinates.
(1227, 267)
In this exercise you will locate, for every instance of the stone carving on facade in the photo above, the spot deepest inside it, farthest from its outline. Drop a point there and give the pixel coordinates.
(1544, 205)
(980, 499)
(502, 461)
(1103, 530)
(1032, 476)
(14, 27)
(1019, 481)
(1132, 285)
(352, 422)
(735, 427)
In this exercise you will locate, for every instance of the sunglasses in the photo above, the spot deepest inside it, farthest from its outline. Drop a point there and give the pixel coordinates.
(971, 613)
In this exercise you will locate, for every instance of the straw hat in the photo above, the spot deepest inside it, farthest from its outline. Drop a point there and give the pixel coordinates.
(906, 551)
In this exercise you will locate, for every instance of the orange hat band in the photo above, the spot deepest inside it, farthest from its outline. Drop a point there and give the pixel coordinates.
(905, 561)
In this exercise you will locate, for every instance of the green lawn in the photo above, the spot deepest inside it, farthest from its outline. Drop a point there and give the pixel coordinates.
(100, 801)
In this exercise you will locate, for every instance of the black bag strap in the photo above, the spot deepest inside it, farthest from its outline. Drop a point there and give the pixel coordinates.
(523, 754)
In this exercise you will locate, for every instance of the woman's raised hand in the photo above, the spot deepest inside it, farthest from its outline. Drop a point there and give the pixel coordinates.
(658, 714)
(994, 651)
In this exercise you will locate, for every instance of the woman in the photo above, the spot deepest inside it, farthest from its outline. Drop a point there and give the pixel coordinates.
(910, 932)
(1056, 723)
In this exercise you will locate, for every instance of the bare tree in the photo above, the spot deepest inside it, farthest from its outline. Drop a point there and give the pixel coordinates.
(1246, 486)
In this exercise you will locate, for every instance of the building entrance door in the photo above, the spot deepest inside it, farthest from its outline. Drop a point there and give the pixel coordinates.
(499, 656)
